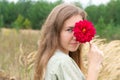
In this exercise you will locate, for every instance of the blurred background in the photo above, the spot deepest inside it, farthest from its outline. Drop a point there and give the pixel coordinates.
(20, 24)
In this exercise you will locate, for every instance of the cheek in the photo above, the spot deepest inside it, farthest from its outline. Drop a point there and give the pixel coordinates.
(62, 38)
(65, 37)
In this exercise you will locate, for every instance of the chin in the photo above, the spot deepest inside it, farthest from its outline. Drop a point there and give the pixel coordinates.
(73, 50)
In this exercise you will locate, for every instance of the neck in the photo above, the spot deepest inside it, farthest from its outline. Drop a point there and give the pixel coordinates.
(63, 50)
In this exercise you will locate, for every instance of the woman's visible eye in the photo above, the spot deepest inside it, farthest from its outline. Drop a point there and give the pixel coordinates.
(69, 30)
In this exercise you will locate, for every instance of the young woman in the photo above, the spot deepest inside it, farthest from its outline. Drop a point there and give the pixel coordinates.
(59, 55)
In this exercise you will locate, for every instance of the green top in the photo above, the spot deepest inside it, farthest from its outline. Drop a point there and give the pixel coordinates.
(63, 67)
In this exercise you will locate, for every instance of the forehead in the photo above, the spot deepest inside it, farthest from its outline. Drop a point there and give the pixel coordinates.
(72, 20)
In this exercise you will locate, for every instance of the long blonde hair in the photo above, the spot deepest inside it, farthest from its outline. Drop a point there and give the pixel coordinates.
(50, 34)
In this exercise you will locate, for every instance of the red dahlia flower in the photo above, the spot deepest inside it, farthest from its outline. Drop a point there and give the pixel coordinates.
(84, 31)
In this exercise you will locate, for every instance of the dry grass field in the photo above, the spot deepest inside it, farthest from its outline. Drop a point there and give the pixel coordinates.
(18, 50)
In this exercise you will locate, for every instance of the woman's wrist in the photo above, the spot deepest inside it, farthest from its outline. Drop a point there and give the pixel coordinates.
(94, 67)
(93, 72)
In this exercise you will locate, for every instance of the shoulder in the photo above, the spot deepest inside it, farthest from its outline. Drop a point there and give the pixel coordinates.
(57, 60)
(62, 66)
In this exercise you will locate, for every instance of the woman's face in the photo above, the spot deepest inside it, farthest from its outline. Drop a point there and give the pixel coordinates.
(67, 39)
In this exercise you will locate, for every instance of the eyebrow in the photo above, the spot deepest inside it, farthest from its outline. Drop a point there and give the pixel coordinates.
(69, 27)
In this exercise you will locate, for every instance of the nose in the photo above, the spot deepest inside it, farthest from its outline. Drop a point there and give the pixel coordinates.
(74, 38)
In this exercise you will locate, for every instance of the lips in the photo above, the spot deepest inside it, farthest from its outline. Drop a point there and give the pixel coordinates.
(73, 43)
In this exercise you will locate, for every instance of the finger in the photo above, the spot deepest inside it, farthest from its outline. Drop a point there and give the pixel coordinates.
(90, 44)
(102, 54)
